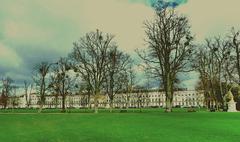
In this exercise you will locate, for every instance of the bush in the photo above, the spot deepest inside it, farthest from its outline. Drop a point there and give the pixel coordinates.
(225, 109)
(191, 110)
(177, 106)
(155, 106)
(123, 110)
(212, 109)
(238, 104)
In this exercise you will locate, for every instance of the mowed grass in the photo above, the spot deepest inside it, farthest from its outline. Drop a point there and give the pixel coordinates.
(148, 126)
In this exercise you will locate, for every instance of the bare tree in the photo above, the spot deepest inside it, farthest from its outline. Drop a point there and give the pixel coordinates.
(61, 82)
(41, 80)
(234, 64)
(201, 65)
(147, 87)
(90, 57)
(7, 90)
(28, 91)
(219, 53)
(169, 49)
(129, 82)
(118, 63)
(55, 88)
(211, 62)
(139, 90)
(85, 91)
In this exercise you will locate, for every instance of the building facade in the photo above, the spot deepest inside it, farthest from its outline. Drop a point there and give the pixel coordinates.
(157, 99)
(134, 100)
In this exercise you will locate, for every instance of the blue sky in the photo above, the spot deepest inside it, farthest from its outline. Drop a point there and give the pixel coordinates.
(44, 30)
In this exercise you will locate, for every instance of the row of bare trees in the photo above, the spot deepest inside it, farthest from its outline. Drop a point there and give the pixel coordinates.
(96, 61)
(171, 51)
(218, 64)
(105, 70)
(101, 65)
(9, 90)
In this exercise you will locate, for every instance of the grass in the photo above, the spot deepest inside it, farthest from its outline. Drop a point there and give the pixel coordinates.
(149, 126)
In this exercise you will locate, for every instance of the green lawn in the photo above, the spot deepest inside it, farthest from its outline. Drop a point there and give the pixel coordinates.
(149, 126)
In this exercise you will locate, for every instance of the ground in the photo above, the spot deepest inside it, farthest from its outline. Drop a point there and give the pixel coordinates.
(147, 126)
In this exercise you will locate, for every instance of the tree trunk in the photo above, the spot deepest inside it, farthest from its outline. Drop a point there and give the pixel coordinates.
(97, 93)
(168, 91)
(221, 88)
(42, 95)
(56, 102)
(63, 103)
(26, 100)
(29, 100)
(238, 64)
(168, 105)
(5, 105)
(127, 101)
(111, 105)
(95, 104)
(40, 107)
(88, 101)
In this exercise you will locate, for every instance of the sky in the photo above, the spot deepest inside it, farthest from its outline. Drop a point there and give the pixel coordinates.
(32, 31)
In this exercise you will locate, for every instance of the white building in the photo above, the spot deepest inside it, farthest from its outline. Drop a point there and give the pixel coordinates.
(157, 99)
(139, 99)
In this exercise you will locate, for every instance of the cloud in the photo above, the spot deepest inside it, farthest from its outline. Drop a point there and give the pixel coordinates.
(211, 17)
(189, 80)
(162, 3)
(22, 31)
(37, 30)
(119, 18)
(9, 58)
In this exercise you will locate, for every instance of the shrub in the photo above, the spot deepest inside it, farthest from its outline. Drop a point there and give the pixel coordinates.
(191, 110)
